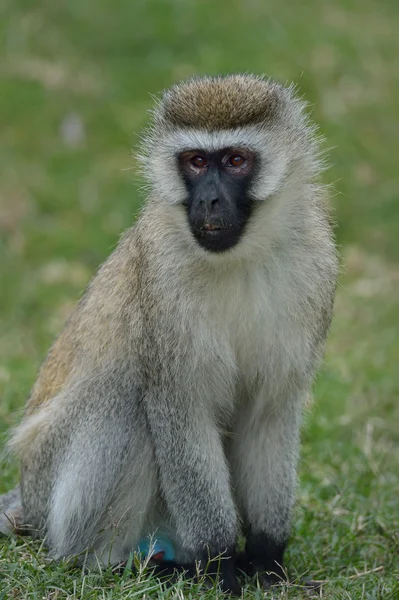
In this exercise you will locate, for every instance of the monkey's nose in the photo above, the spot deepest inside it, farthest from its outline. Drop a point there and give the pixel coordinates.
(209, 202)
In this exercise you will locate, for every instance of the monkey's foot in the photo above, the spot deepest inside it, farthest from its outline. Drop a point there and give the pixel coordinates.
(312, 588)
(11, 513)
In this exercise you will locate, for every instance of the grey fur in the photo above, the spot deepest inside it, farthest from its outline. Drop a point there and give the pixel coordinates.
(173, 397)
(11, 514)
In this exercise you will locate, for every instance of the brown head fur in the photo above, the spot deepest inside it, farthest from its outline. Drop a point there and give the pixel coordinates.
(220, 102)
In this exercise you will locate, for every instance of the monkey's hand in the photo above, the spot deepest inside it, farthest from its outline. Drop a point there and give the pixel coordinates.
(264, 559)
(222, 570)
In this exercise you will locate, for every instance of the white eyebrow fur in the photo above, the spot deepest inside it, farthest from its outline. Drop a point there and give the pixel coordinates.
(249, 136)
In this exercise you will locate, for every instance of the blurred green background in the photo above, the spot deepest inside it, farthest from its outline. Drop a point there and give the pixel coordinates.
(76, 81)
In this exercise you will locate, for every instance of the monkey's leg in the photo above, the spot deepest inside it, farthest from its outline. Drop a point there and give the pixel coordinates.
(89, 479)
(263, 456)
(194, 478)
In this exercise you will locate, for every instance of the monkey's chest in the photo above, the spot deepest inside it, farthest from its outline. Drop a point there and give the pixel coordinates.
(241, 338)
(252, 343)
(263, 338)
(246, 338)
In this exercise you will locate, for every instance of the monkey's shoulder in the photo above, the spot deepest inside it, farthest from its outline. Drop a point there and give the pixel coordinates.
(97, 326)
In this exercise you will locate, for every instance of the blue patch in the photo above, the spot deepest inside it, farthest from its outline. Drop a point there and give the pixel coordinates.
(154, 545)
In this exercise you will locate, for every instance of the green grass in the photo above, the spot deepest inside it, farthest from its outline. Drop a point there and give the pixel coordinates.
(64, 199)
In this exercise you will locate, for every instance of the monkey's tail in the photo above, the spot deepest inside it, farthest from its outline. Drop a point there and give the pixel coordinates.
(11, 512)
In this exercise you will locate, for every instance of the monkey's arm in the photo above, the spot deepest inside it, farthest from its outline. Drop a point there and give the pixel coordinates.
(264, 456)
(194, 478)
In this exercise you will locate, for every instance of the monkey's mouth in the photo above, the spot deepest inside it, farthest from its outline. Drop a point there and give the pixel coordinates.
(216, 238)
(207, 227)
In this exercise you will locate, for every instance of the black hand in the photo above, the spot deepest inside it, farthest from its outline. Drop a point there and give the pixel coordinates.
(264, 557)
(222, 570)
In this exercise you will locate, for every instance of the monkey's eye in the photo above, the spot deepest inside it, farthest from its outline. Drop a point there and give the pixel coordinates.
(199, 161)
(236, 160)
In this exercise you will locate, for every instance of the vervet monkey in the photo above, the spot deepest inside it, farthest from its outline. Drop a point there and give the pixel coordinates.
(171, 403)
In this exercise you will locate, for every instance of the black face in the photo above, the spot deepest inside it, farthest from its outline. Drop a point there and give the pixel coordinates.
(218, 204)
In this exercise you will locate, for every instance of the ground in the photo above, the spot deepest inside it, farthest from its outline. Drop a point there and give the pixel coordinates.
(76, 82)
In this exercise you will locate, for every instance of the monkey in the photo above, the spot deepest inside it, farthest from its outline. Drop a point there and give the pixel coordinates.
(171, 403)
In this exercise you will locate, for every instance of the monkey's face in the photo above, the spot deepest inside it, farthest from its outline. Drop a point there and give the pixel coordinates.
(218, 202)
(218, 147)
